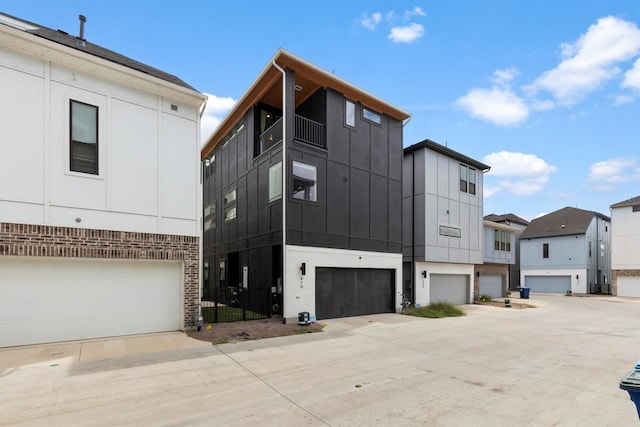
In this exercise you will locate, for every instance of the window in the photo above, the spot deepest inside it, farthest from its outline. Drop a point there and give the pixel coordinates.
(230, 197)
(635, 208)
(350, 113)
(230, 214)
(210, 215)
(275, 182)
(502, 240)
(545, 250)
(467, 179)
(463, 178)
(304, 182)
(83, 146)
(472, 181)
(450, 231)
(371, 116)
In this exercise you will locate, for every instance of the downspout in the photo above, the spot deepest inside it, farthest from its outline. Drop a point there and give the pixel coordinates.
(284, 181)
(413, 227)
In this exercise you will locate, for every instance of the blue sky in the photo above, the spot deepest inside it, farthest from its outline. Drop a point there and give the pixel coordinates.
(546, 92)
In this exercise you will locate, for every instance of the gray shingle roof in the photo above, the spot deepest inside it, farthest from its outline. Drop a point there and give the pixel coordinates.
(634, 201)
(61, 37)
(563, 222)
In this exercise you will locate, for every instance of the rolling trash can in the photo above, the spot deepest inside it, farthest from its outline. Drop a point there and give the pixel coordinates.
(524, 292)
(631, 384)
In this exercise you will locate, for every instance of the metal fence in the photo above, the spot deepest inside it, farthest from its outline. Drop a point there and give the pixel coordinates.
(232, 304)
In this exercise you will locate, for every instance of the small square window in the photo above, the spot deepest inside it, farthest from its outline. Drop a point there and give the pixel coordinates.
(230, 197)
(230, 214)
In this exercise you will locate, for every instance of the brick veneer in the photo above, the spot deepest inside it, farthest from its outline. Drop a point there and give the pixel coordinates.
(490, 270)
(68, 242)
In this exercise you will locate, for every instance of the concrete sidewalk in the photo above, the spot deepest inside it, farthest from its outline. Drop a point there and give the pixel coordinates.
(95, 349)
(557, 364)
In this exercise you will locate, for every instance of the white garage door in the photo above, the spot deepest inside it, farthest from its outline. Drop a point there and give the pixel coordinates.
(453, 288)
(491, 286)
(54, 299)
(628, 286)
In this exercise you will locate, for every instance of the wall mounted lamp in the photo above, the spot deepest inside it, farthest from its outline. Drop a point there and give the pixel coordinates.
(303, 268)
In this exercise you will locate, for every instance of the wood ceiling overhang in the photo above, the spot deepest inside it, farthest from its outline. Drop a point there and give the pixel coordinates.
(267, 88)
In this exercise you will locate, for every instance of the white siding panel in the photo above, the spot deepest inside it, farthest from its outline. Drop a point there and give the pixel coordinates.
(134, 158)
(22, 150)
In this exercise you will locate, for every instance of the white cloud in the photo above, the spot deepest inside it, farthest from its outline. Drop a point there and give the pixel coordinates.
(416, 11)
(590, 61)
(521, 174)
(623, 99)
(497, 105)
(503, 77)
(407, 34)
(632, 77)
(371, 22)
(214, 112)
(609, 174)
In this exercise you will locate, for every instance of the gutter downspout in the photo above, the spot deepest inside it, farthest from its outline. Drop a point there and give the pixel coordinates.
(284, 182)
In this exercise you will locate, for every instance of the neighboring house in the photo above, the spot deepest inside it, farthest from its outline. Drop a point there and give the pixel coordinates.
(625, 248)
(512, 220)
(492, 276)
(99, 201)
(567, 250)
(338, 190)
(442, 223)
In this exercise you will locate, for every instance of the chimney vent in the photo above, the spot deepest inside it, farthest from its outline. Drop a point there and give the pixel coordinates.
(82, 21)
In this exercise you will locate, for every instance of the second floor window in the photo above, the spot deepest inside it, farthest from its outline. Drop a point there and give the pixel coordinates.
(350, 113)
(502, 241)
(275, 182)
(467, 179)
(83, 148)
(545, 250)
(304, 182)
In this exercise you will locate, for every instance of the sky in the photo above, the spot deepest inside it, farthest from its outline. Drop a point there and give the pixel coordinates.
(546, 92)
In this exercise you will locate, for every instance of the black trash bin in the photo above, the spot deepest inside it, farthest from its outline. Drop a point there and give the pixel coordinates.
(631, 383)
(524, 292)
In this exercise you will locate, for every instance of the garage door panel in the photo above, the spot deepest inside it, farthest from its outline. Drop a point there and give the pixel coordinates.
(628, 286)
(49, 300)
(453, 288)
(344, 292)
(548, 284)
(491, 286)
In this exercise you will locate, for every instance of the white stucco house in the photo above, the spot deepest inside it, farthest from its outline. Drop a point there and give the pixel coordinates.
(625, 248)
(99, 190)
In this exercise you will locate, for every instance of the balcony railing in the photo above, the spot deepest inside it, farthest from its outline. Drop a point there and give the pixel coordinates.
(306, 130)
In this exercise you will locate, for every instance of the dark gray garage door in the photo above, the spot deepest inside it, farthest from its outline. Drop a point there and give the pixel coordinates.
(548, 284)
(453, 288)
(344, 292)
(491, 286)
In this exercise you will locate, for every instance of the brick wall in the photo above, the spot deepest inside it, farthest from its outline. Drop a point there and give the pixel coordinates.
(50, 241)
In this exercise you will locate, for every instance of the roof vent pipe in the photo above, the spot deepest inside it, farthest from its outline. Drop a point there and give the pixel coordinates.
(82, 21)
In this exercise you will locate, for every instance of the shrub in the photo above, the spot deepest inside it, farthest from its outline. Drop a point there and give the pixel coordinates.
(436, 310)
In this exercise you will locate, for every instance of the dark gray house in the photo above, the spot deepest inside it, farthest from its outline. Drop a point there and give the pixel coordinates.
(302, 195)
(567, 250)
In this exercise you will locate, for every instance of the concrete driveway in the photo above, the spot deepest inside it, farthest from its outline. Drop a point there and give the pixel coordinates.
(557, 364)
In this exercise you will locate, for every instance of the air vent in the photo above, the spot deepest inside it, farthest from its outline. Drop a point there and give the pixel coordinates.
(174, 107)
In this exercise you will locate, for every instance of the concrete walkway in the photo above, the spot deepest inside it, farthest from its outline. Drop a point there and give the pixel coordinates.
(557, 364)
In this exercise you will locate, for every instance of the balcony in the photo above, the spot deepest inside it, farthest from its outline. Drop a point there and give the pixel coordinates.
(305, 130)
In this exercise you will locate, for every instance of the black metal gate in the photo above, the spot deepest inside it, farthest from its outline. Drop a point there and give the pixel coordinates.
(232, 304)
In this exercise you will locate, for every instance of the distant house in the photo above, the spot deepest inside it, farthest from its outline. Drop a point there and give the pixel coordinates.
(302, 196)
(500, 248)
(442, 225)
(511, 220)
(99, 201)
(625, 248)
(567, 250)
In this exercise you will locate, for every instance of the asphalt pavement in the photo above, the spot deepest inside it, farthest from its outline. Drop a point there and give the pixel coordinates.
(558, 364)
